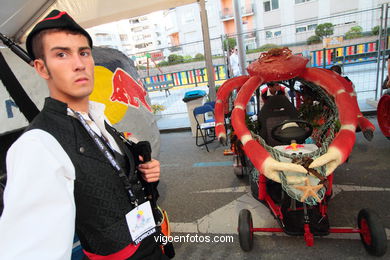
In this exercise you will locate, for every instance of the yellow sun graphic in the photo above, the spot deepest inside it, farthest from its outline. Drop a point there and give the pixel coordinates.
(102, 92)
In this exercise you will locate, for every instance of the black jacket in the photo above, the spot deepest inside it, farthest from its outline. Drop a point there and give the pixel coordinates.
(100, 197)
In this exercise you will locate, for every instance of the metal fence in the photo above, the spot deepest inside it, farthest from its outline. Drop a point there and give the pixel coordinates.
(361, 54)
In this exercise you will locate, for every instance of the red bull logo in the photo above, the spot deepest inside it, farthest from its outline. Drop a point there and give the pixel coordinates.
(128, 91)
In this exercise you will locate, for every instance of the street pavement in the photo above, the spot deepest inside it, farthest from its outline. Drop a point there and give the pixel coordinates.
(203, 198)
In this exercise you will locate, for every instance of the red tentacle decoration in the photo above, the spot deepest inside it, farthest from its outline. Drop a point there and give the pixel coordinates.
(344, 142)
(346, 106)
(221, 100)
(278, 65)
(256, 153)
(364, 124)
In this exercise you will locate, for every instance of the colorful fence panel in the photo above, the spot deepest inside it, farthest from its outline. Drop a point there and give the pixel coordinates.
(362, 52)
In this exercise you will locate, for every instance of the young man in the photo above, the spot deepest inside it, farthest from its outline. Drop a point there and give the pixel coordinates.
(337, 69)
(272, 89)
(234, 63)
(70, 171)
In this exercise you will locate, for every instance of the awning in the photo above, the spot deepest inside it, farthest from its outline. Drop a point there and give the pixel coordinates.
(18, 16)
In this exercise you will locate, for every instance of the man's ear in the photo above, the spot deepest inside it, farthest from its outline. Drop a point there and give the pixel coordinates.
(41, 69)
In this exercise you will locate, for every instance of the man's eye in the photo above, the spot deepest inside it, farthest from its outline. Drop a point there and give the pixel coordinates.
(61, 54)
(85, 53)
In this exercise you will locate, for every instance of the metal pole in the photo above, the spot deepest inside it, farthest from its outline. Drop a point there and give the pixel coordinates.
(379, 91)
(240, 41)
(207, 49)
(324, 58)
(378, 46)
(225, 56)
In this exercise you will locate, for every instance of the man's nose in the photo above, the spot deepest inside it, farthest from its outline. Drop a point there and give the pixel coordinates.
(78, 63)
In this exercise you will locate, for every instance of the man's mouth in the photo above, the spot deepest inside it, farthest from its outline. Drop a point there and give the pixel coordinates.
(81, 80)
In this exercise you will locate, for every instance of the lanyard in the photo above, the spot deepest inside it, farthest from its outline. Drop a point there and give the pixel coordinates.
(99, 143)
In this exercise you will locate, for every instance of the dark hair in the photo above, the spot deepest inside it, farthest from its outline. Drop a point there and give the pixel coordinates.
(271, 84)
(37, 40)
(336, 68)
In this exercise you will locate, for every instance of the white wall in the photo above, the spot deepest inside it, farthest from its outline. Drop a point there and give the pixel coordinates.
(34, 86)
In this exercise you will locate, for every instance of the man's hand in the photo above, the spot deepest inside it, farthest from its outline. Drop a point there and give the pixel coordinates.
(150, 170)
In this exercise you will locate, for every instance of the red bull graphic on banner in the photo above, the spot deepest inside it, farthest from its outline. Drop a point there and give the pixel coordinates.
(128, 91)
(118, 87)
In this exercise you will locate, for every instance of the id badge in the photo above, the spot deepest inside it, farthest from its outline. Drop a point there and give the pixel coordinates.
(140, 222)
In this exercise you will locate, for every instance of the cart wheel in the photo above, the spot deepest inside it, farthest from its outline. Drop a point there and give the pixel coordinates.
(239, 171)
(254, 187)
(238, 168)
(372, 232)
(245, 234)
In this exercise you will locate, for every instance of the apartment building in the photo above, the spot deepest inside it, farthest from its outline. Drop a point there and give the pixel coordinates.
(135, 37)
(247, 12)
(178, 30)
(184, 31)
(288, 21)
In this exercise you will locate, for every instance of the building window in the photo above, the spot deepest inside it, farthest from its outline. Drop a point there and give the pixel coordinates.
(123, 37)
(301, 1)
(103, 37)
(272, 34)
(270, 5)
(311, 27)
(300, 29)
(136, 29)
(143, 45)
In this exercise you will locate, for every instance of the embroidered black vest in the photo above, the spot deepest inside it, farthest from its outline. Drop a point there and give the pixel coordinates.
(100, 197)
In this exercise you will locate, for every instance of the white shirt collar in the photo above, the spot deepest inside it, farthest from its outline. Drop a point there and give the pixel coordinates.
(96, 119)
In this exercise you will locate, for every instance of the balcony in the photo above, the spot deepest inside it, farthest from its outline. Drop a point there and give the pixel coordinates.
(247, 10)
(250, 35)
(228, 13)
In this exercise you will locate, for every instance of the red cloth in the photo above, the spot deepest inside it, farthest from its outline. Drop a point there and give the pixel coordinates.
(120, 255)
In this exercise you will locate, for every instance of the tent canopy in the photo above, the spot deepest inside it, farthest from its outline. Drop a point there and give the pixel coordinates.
(18, 16)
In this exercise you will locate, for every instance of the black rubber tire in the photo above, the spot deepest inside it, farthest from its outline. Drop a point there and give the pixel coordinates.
(238, 171)
(239, 168)
(254, 187)
(377, 244)
(244, 230)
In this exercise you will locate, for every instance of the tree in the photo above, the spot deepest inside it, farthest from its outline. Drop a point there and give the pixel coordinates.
(229, 44)
(174, 59)
(199, 56)
(163, 63)
(324, 30)
(268, 46)
(313, 39)
(187, 58)
(354, 32)
(375, 30)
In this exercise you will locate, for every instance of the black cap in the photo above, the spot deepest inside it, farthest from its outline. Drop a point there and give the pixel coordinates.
(54, 20)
